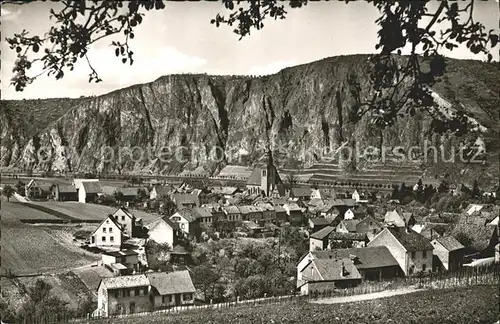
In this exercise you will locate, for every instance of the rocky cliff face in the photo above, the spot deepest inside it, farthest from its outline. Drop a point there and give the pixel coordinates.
(296, 113)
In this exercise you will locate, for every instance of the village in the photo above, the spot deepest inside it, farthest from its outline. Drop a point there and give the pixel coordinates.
(176, 244)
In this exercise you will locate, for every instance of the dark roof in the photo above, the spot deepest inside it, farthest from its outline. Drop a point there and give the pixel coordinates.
(322, 233)
(185, 198)
(131, 281)
(189, 214)
(169, 283)
(411, 240)
(350, 202)
(231, 210)
(301, 192)
(318, 221)
(167, 220)
(450, 243)
(330, 269)
(202, 212)
(129, 191)
(91, 187)
(350, 224)
(162, 190)
(363, 258)
(255, 177)
(406, 216)
(112, 219)
(347, 236)
(118, 254)
(66, 188)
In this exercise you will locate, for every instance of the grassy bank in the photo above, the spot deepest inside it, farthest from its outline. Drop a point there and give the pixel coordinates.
(477, 304)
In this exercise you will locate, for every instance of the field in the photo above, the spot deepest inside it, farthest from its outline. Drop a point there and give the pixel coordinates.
(91, 211)
(34, 249)
(17, 211)
(478, 304)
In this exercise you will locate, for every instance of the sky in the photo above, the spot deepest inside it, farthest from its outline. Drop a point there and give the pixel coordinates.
(180, 39)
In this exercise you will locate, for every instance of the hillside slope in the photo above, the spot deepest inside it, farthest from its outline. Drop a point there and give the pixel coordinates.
(296, 113)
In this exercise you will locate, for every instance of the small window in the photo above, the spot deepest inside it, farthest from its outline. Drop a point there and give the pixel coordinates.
(182, 225)
(117, 293)
(424, 266)
(111, 229)
(166, 299)
(123, 218)
(104, 238)
(413, 255)
(111, 238)
(186, 297)
(137, 292)
(126, 292)
(104, 229)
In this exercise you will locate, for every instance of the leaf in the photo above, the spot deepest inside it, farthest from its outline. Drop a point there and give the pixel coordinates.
(124, 60)
(35, 47)
(117, 51)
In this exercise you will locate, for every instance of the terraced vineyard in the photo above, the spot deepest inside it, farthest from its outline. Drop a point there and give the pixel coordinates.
(377, 175)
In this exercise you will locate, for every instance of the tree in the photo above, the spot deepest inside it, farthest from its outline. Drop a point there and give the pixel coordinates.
(401, 84)
(8, 192)
(20, 187)
(476, 192)
(168, 206)
(141, 194)
(118, 195)
(206, 279)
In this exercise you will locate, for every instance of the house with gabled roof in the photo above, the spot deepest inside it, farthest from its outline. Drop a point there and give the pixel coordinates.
(89, 191)
(36, 189)
(294, 214)
(121, 262)
(64, 192)
(169, 289)
(317, 223)
(370, 226)
(158, 192)
(347, 226)
(163, 230)
(412, 250)
(319, 240)
(448, 253)
(373, 263)
(188, 221)
(108, 234)
(327, 275)
(393, 218)
(204, 215)
(144, 293)
(303, 193)
(185, 200)
(127, 220)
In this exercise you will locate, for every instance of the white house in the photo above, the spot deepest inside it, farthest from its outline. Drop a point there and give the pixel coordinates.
(349, 214)
(127, 220)
(108, 234)
(412, 251)
(188, 222)
(162, 231)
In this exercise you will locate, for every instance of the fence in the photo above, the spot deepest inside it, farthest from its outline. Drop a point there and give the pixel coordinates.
(466, 277)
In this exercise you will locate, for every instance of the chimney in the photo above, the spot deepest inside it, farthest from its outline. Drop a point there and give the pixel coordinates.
(342, 270)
